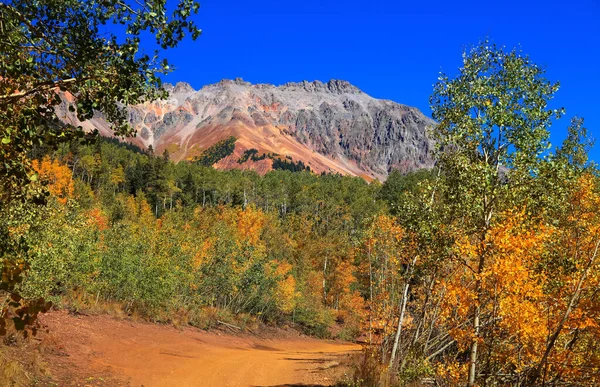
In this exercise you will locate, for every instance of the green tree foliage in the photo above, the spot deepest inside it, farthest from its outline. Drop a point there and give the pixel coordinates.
(397, 186)
(84, 54)
(66, 46)
(290, 165)
(216, 152)
(251, 154)
(493, 115)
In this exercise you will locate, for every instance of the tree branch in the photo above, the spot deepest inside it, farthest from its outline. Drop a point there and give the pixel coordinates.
(572, 304)
(43, 86)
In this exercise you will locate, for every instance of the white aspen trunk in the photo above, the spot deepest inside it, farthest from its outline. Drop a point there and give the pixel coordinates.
(473, 355)
(402, 310)
(400, 320)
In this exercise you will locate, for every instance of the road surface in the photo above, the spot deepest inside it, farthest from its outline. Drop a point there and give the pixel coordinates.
(102, 350)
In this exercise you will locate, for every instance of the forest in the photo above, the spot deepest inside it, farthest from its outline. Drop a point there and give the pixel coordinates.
(481, 271)
(187, 244)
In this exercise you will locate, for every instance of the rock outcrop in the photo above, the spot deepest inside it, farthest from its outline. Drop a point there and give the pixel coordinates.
(331, 127)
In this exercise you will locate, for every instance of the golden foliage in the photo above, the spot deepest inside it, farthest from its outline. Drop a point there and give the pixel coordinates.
(57, 176)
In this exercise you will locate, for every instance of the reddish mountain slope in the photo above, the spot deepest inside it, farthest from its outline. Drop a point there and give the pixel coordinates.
(331, 127)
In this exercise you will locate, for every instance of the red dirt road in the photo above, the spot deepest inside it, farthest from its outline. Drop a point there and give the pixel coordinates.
(101, 350)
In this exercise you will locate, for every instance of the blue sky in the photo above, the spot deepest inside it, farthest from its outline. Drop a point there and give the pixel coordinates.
(393, 50)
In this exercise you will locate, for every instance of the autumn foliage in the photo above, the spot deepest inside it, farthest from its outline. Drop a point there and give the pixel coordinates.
(57, 176)
(406, 285)
(198, 264)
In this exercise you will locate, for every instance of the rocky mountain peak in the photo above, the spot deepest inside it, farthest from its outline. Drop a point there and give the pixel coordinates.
(330, 127)
(236, 81)
(183, 87)
(334, 86)
(178, 88)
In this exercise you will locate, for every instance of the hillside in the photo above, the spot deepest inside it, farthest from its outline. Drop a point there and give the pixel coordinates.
(330, 127)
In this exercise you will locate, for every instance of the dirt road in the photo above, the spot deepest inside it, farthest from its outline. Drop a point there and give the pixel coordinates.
(101, 350)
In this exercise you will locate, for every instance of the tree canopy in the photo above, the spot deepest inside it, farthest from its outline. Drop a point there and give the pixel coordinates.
(54, 50)
(90, 50)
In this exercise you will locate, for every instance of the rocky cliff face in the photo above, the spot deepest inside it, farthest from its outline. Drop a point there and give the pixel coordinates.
(332, 127)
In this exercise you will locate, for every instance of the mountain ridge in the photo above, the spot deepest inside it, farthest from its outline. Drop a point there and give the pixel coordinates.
(330, 126)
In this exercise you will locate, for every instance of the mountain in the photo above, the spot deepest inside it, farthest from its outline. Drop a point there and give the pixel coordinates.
(331, 127)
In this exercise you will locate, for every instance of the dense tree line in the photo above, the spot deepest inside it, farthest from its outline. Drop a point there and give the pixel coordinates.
(172, 241)
(252, 154)
(216, 152)
(288, 164)
(111, 168)
(279, 163)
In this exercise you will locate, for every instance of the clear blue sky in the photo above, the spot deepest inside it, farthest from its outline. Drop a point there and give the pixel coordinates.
(393, 50)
